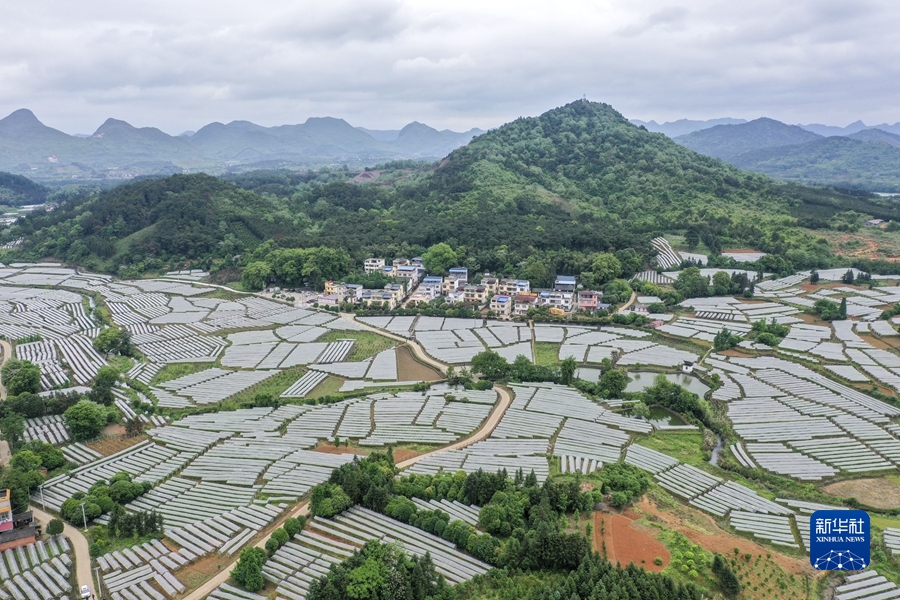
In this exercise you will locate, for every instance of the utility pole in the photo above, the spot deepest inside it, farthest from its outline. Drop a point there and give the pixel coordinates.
(84, 517)
(97, 573)
(43, 506)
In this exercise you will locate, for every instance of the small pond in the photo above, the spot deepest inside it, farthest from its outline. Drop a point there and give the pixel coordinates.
(588, 374)
(660, 417)
(642, 380)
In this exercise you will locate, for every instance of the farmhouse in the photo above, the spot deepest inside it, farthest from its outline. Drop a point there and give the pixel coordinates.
(475, 294)
(512, 287)
(373, 265)
(556, 299)
(564, 283)
(589, 300)
(502, 306)
(523, 302)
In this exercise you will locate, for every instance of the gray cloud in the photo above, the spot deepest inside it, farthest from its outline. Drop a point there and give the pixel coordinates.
(179, 65)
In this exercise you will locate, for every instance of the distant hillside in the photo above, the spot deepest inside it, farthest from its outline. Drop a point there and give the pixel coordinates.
(684, 126)
(841, 161)
(16, 190)
(855, 127)
(533, 198)
(877, 135)
(120, 151)
(727, 141)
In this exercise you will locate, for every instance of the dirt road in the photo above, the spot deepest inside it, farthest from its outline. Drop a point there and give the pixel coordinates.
(79, 544)
(629, 303)
(303, 509)
(7, 354)
(420, 353)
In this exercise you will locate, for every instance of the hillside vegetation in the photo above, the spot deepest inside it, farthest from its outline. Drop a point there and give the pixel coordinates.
(866, 160)
(16, 190)
(536, 197)
(842, 161)
(728, 141)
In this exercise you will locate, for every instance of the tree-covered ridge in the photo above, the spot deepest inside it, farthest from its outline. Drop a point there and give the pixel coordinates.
(852, 163)
(535, 198)
(150, 223)
(589, 153)
(16, 190)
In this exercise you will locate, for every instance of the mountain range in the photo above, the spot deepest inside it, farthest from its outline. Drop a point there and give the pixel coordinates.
(119, 150)
(535, 197)
(685, 126)
(867, 159)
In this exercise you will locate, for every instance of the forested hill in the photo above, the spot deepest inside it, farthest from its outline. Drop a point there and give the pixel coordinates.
(533, 198)
(16, 190)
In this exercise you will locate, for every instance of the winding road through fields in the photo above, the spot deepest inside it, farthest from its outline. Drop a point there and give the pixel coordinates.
(79, 545)
(303, 509)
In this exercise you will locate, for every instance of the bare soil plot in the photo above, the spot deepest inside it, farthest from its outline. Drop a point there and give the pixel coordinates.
(877, 493)
(328, 447)
(410, 369)
(701, 529)
(116, 441)
(627, 542)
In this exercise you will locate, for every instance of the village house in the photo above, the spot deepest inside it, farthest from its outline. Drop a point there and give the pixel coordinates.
(523, 302)
(513, 287)
(589, 300)
(491, 285)
(409, 273)
(502, 307)
(373, 265)
(564, 283)
(475, 294)
(456, 279)
(556, 299)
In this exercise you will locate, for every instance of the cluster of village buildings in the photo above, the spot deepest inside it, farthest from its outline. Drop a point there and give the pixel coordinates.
(504, 296)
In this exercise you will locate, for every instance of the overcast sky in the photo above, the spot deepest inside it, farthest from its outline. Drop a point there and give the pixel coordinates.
(178, 65)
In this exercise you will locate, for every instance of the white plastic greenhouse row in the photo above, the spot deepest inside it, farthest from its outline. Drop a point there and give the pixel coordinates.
(225, 533)
(649, 460)
(229, 592)
(129, 558)
(845, 453)
(192, 504)
(457, 510)
(138, 583)
(186, 349)
(775, 529)
(221, 388)
(50, 429)
(781, 460)
(305, 384)
(16, 561)
(666, 256)
(296, 473)
(868, 585)
(79, 354)
(572, 464)
(145, 462)
(80, 454)
(350, 370)
(730, 496)
(46, 581)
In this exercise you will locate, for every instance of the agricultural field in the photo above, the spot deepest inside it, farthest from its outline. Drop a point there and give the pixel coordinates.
(809, 421)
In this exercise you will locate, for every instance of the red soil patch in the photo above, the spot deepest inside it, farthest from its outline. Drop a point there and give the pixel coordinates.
(809, 287)
(883, 343)
(401, 454)
(626, 544)
(722, 541)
